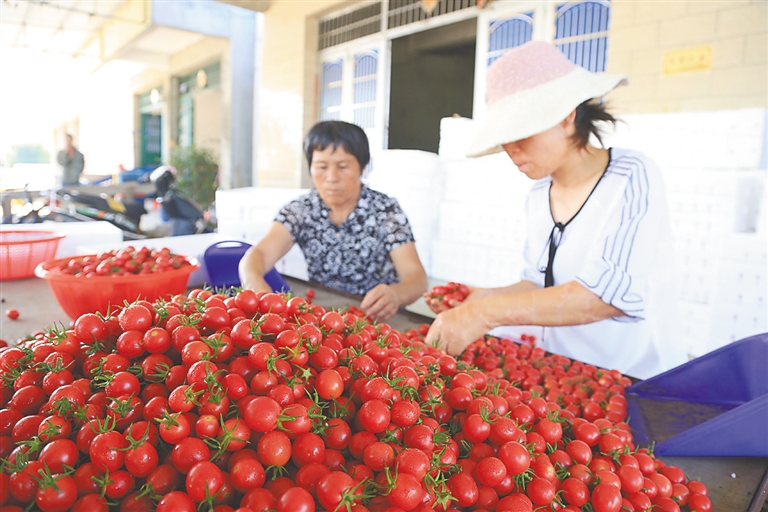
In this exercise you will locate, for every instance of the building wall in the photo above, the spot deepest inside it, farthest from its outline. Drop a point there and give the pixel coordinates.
(287, 97)
(216, 110)
(642, 33)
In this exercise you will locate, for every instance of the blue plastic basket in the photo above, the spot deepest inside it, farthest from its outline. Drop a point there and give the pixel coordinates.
(221, 261)
(715, 405)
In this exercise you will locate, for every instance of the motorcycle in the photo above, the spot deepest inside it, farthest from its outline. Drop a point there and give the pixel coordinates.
(124, 215)
(69, 205)
(186, 216)
(75, 206)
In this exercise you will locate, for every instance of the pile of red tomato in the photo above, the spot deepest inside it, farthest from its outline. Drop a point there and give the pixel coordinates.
(450, 294)
(261, 402)
(126, 261)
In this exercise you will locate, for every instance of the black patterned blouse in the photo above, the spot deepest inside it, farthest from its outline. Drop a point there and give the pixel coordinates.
(353, 257)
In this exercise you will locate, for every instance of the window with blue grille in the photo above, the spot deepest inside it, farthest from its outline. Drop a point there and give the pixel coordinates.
(508, 33)
(330, 96)
(364, 94)
(581, 33)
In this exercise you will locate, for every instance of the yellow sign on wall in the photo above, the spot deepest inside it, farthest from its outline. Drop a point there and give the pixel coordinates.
(688, 60)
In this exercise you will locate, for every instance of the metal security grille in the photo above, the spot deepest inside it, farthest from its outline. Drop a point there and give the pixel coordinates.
(404, 12)
(364, 105)
(350, 26)
(581, 33)
(508, 33)
(330, 96)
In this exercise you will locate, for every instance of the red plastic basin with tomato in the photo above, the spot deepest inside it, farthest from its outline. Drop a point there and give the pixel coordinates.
(78, 295)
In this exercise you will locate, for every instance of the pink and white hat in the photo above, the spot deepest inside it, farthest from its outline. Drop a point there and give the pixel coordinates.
(532, 88)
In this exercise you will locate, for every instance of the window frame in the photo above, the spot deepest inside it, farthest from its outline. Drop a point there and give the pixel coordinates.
(544, 28)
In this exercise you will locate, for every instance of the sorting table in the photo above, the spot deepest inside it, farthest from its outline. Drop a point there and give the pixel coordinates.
(735, 484)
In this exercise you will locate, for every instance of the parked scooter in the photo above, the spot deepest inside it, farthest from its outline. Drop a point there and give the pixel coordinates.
(73, 206)
(125, 215)
(186, 216)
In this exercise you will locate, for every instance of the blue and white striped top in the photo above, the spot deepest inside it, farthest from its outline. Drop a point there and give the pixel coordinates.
(620, 247)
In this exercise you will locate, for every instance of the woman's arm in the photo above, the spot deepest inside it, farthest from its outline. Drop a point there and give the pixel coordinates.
(383, 301)
(567, 304)
(259, 259)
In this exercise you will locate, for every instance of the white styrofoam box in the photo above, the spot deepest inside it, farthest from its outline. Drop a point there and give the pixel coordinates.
(420, 168)
(293, 264)
(474, 264)
(749, 205)
(734, 322)
(253, 203)
(489, 179)
(747, 248)
(79, 235)
(762, 214)
(740, 302)
(725, 139)
(424, 250)
(742, 283)
(449, 261)
(456, 136)
(696, 324)
(415, 179)
(491, 224)
(242, 230)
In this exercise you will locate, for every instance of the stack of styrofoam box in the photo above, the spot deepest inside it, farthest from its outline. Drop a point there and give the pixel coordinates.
(247, 214)
(714, 165)
(415, 179)
(721, 139)
(456, 135)
(482, 222)
(701, 213)
(739, 307)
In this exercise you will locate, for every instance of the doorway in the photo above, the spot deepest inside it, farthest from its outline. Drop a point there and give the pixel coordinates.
(432, 77)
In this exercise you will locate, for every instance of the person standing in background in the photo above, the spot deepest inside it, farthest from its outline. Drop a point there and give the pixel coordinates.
(72, 163)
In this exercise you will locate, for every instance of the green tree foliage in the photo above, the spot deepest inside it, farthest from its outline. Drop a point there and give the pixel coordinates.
(196, 173)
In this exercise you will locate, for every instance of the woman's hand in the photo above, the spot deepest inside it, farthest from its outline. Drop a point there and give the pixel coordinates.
(439, 306)
(381, 302)
(453, 330)
(254, 282)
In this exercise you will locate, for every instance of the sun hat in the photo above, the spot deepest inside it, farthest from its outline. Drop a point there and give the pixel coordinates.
(532, 88)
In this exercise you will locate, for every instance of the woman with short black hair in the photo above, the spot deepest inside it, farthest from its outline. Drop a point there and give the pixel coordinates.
(599, 245)
(354, 239)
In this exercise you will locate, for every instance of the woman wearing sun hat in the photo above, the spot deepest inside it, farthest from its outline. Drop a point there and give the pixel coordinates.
(598, 234)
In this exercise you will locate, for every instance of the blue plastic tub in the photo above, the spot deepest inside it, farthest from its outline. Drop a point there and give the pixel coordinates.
(221, 260)
(715, 405)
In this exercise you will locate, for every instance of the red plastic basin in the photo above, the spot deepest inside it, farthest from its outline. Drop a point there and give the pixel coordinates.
(78, 295)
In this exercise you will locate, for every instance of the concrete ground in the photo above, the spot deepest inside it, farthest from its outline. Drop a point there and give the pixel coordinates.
(36, 304)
